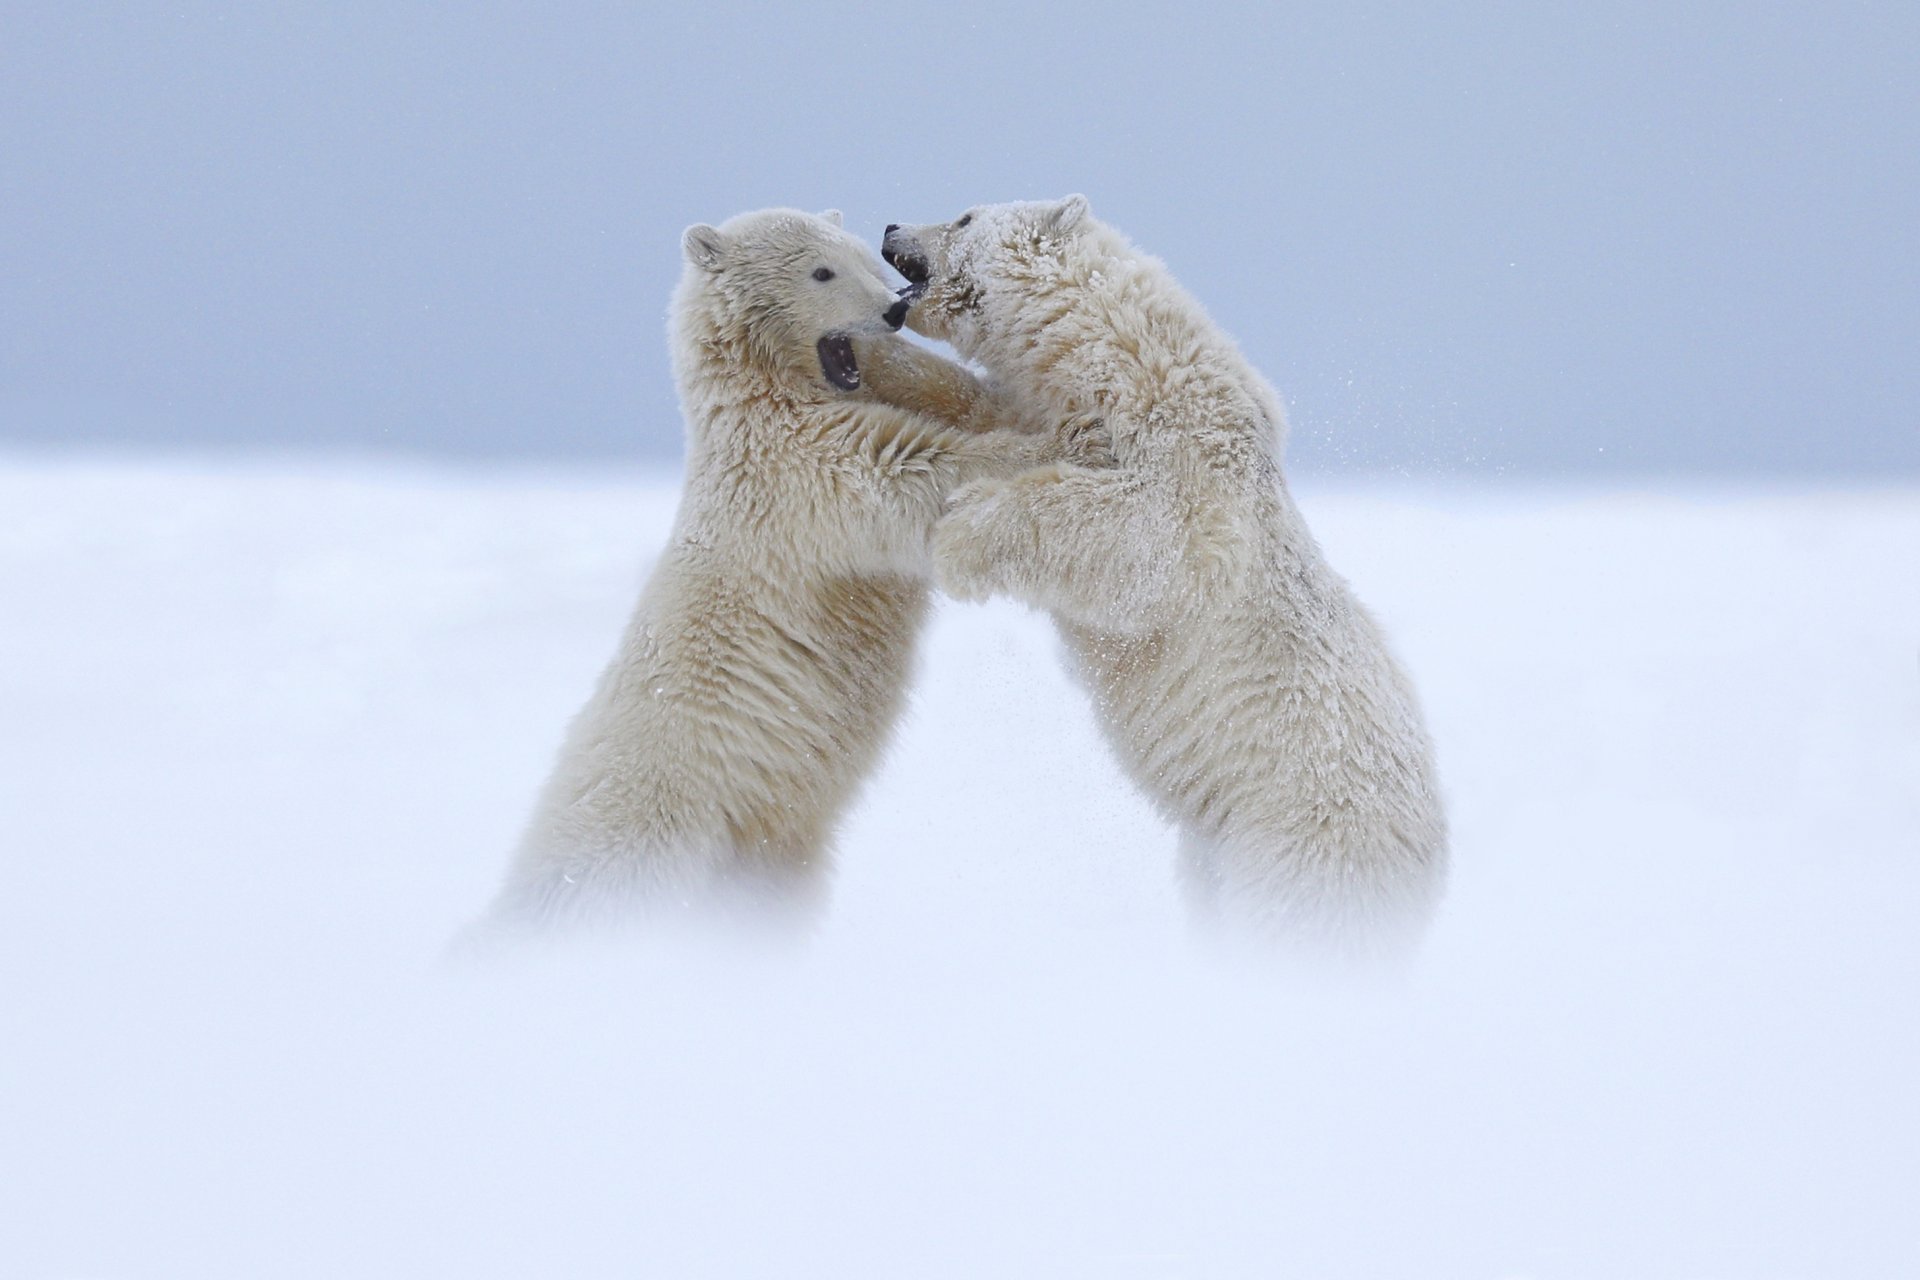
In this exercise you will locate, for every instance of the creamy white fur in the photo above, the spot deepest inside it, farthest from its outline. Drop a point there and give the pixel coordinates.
(765, 663)
(1241, 684)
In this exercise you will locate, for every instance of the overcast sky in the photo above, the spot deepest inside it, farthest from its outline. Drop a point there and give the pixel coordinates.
(1494, 238)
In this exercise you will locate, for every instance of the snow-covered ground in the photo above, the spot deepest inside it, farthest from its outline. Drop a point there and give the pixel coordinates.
(267, 734)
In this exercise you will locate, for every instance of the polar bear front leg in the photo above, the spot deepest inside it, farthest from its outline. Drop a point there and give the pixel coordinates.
(902, 469)
(1081, 440)
(900, 374)
(1101, 547)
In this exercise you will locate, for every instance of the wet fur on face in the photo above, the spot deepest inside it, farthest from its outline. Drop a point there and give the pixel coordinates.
(950, 267)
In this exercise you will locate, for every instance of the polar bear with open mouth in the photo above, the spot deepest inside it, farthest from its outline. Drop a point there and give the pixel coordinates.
(766, 662)
(1242, 686)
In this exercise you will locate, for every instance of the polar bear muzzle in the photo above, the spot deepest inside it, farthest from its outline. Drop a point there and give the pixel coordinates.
(907, 262)
(837, 362)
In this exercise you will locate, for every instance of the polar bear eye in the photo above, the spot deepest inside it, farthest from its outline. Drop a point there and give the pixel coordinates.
(822, 274)
(965, 218)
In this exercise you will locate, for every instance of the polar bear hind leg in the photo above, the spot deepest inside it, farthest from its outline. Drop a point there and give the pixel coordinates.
(1275, 893)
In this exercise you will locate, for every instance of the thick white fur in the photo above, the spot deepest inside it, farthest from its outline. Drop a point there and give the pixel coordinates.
(1241, 684)
(765, 663)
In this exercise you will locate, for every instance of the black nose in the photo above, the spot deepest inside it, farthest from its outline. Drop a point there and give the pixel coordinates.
(892, 227)
(896, 315)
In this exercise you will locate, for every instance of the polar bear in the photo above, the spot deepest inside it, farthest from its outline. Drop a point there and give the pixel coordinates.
(1242, 686)
(765, 663)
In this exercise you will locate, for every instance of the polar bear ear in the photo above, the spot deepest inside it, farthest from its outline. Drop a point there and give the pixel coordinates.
(704, 246)
(834, 216)
(1068, 214)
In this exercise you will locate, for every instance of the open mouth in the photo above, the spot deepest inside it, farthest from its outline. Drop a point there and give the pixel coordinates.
(911, 265)
(837, 362)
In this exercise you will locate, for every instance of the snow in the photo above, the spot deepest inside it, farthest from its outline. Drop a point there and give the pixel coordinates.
(267, 732)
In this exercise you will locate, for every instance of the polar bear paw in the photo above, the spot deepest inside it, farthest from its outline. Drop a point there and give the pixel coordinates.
(1086, 442)
(970, 541)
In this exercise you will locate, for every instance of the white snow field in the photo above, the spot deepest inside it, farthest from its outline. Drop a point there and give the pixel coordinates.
(268, 731)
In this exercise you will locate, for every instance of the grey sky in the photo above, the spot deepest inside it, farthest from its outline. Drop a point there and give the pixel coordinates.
(1486, 238)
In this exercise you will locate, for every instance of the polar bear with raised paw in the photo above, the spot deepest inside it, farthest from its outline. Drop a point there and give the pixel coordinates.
(1240, 683)
(765, 664)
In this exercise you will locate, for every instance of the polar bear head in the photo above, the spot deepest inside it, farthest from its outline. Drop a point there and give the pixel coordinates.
(964, 277)
(785, 292)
